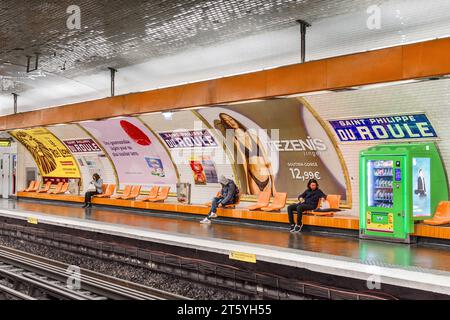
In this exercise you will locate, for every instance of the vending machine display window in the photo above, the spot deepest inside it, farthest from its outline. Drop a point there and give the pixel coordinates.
(380, 183)
(421, 187)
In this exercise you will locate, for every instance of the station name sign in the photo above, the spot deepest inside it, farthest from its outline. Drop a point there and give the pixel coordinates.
(188, 139)
(82, 145)
(410, 126)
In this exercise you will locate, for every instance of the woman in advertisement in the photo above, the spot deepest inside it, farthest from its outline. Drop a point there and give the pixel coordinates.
(297, 149)
(249, 150)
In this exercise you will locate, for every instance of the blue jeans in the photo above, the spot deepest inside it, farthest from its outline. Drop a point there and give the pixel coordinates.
(215, 204)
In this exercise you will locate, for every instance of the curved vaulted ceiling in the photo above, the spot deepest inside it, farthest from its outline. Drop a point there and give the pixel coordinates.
(162, 43)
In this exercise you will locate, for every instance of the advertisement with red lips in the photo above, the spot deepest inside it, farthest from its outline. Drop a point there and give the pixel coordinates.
(138, 156)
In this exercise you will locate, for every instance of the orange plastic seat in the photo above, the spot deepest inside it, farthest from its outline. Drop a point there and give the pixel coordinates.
(135, 191)
(126, 192)
(30, 186)
(63, 189)
(233, 205)
(162, 195)
(312, 211)
(333, 201)
(441, 216)
(279, 202)
(47, 186)
(57, 188)
(108, 192)
(263, 201)
(153, 193)
(104, 188)
(321, 214)
(36, 186)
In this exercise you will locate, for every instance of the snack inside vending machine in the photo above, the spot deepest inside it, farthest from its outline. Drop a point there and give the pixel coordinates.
(399, 184)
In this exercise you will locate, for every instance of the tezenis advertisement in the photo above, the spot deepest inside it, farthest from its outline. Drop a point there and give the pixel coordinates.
(138, 156)
(278, 145)
(52, 157)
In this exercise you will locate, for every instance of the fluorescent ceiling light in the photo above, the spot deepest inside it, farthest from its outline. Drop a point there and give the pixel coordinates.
(195, 108)
(119, 117)
(295, 95)
(245, 101)
(167, 115)
(84, 121)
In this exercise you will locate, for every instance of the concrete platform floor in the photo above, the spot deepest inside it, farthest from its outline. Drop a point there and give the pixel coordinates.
(378, 253)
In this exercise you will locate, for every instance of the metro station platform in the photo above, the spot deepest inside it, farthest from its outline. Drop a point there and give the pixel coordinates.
(422, 266)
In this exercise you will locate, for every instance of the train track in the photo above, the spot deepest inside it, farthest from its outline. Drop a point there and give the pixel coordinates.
(24, 276)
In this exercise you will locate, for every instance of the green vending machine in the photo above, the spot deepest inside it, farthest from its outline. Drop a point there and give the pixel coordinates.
(399, 184)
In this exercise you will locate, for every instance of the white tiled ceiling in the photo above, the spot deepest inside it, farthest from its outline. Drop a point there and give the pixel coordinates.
(162, 43)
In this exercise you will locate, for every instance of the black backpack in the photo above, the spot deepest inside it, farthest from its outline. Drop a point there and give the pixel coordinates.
(236, 192)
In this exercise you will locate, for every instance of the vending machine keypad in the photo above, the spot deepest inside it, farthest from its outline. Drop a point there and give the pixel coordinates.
(398, 174)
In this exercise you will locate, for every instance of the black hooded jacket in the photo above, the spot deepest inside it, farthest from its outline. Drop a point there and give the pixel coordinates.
(312, 197)
(229, 192)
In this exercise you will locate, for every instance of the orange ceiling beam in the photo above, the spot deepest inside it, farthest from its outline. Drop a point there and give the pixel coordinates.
(423, 59)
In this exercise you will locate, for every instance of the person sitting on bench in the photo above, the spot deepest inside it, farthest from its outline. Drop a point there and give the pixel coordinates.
(95, 187)
(228, 195)
(309, 200)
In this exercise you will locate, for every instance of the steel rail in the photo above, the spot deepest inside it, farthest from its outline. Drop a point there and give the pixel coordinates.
(52, 276)
(7, 292)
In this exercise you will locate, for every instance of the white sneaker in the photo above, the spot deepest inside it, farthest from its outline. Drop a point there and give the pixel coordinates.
(213, 215)
(206, 221)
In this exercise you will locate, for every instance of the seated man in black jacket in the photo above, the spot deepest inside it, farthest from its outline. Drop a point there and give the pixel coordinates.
(228, 195)
(309, 200)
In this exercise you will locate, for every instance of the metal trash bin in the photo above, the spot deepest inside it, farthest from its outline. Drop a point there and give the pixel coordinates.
(184, 192)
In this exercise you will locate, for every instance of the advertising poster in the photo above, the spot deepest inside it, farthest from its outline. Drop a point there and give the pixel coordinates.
(406, 126)
(210, 170)
(156, 166)
(138, 156)
(421, 187)
(53, 158)
(198, 171)
(203, 170)
(91, 159)
(277, 146)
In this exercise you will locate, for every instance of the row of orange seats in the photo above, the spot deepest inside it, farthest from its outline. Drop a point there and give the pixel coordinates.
(35, 186)
(156, 193)
(279, 202)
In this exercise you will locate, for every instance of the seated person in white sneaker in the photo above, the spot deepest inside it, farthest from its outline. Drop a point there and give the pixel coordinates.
(309, 200)
(228, 195)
